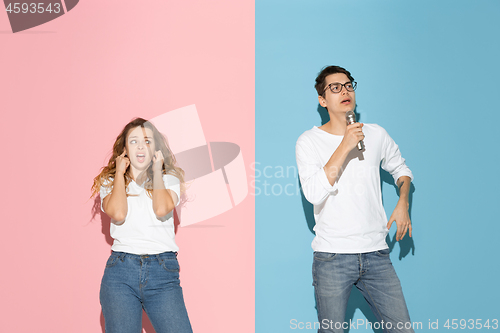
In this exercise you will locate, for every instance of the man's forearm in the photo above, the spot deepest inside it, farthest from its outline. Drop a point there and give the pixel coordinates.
(334, 165)
(404, 184)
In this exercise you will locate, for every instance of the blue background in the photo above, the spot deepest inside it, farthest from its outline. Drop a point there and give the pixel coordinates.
(427, 72)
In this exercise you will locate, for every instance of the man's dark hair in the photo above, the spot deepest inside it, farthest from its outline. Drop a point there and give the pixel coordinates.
(328, 70)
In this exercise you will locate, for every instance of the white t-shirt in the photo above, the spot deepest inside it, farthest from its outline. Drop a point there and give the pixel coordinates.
(349, 215)
(142, 232)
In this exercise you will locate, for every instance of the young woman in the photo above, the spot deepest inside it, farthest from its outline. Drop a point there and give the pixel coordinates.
(139, 189)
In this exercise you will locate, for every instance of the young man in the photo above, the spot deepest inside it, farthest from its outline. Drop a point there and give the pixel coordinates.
(343, 184)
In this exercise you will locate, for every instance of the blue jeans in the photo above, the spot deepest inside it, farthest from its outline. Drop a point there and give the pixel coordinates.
(372, 273)
(151, 282)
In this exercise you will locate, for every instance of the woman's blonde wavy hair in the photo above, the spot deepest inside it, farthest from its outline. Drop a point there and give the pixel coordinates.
(107, 174)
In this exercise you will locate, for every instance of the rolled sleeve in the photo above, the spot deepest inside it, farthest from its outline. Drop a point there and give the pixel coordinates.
(313, 179)
(392, 161)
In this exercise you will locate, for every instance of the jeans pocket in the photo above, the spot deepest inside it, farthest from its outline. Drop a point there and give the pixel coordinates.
(171, 265)
(324, 256)
(383, 253)
(112, 260)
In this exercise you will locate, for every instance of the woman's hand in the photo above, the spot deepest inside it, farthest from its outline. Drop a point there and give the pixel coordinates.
(158, 161)
(122, 162)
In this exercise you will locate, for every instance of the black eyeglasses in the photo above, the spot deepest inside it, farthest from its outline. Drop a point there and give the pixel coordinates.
(336, 87)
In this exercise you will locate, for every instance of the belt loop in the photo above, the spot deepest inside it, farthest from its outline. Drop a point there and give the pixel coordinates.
(160, 260)
(122, 256)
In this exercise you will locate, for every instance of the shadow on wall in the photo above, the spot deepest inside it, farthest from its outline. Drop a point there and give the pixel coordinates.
(406, 245)
(105, 220)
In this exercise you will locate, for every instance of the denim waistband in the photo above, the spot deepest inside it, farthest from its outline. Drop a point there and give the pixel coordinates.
(145, 257)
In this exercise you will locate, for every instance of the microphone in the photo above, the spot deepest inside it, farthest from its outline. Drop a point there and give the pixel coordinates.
(350, 117)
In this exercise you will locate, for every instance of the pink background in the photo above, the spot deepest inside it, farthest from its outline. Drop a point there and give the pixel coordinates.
(67, 88)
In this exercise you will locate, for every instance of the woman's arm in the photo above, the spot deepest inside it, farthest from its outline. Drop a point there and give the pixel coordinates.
(115, 203)
(163, 200)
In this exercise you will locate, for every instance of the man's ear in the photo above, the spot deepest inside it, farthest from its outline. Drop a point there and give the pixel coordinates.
(322, 101)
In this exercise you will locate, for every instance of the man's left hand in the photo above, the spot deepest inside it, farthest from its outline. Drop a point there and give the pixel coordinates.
(402, 218)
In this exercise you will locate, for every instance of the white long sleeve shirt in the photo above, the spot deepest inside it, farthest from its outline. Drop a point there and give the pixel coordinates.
(349, 215)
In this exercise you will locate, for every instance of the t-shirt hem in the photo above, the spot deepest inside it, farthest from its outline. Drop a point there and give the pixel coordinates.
(142, 252)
